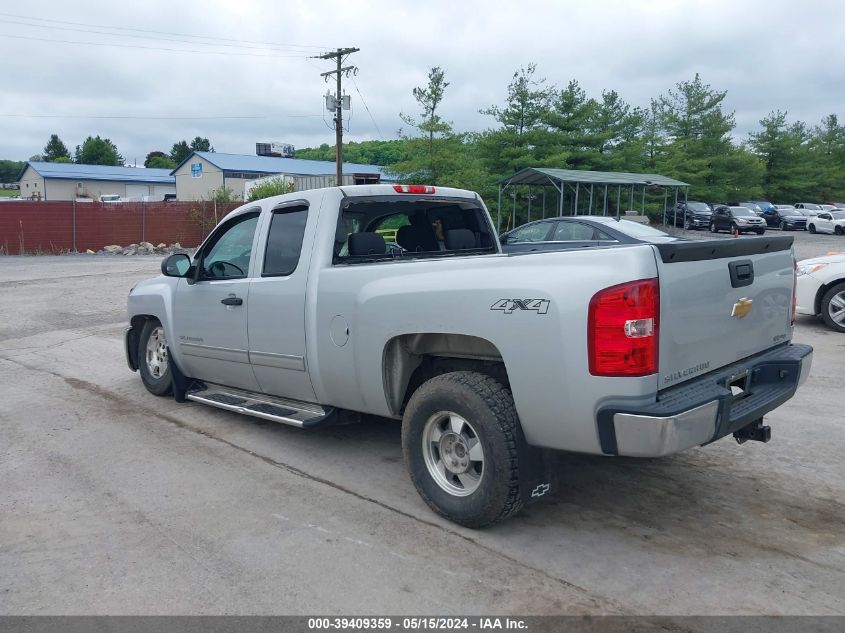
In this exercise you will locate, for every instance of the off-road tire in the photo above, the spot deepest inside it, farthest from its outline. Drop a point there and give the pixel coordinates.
(838, 289)
(486, 405)
(157, 385)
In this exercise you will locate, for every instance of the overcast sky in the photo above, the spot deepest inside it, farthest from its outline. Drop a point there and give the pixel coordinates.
(254, 63)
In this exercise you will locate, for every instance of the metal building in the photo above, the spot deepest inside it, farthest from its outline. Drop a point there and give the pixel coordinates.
(71, 181)
(201, 173)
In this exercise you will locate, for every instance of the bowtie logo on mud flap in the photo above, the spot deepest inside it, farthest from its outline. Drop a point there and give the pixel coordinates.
(540, 490)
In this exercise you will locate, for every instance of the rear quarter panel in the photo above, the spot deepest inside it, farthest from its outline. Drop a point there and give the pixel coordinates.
(545, 354)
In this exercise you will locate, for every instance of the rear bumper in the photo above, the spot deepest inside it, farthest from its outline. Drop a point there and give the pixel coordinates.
(703, 410)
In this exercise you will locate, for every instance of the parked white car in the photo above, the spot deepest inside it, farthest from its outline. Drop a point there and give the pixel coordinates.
(827, 222)
(820, 290)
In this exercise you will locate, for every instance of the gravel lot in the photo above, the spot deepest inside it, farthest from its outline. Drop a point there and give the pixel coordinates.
(114, 501)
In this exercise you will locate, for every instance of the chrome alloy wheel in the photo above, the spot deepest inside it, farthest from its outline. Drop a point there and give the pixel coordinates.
(453, 453)
(156, 353)
(836, 308)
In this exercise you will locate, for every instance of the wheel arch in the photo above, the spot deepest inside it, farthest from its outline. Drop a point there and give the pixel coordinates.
(409, 360)
(822, 291)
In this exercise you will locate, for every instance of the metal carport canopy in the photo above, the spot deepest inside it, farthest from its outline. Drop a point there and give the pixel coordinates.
(560, 179)
(541, 176)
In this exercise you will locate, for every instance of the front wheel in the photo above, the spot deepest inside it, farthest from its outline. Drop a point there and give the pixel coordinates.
(760, 231)
(687, 225)
(833, 308)
(783, 226)
(153, 359)
(713, 228)
(839, 230)
(461, 440)
(811, 228)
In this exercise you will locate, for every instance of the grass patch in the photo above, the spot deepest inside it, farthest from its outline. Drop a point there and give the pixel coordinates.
(9, 193)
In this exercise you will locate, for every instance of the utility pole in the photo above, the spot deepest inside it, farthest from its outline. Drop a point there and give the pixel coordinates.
(339, 102)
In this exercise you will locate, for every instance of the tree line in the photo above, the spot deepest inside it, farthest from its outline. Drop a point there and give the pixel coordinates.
(685, 134)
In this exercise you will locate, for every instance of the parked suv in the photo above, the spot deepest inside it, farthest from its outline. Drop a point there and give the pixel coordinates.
(739, 219)
(690, 215)
(785, 219)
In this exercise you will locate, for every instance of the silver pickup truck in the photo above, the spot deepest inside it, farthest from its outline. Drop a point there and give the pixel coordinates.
(396, 301)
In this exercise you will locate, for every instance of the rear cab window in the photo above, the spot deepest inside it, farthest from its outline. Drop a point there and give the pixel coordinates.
(408, 228)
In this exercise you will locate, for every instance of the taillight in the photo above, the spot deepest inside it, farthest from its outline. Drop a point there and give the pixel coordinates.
(413, 188)
(622, 329)
(794, 289)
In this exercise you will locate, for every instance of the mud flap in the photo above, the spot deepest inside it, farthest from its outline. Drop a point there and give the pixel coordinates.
(178, 380)
(535, 474)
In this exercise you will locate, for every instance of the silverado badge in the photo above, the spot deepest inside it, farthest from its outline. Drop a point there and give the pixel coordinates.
(741, 308)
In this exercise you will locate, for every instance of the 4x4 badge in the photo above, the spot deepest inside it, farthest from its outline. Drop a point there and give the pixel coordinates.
(540, 306)
(742, 308)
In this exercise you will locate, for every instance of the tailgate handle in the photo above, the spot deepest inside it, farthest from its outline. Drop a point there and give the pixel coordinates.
(742, 273)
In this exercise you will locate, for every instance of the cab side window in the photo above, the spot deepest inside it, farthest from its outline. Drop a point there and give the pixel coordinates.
(284, 241)
(228, 254)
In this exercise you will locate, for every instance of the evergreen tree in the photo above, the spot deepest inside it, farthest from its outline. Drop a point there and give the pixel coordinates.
(200, 144)
(55, 150)
(784, 154)
(180, 151)
(427, 159)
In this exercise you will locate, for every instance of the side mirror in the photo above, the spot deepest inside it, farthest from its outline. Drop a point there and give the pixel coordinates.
(176, 265)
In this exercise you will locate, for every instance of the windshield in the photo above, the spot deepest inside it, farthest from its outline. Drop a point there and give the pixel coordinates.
(838, 215)
(698, 207)
(810, 205)
(743, 211)
(635, 229)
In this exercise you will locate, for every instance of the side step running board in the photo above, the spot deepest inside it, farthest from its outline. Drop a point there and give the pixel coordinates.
(292, 412)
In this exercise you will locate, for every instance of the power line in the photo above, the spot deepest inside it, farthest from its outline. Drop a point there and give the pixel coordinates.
(136, 30)
(109, 31)
(378, 129)
(151, 48)
(154, 118)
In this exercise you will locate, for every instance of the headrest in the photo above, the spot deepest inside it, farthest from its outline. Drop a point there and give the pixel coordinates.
(459, 239)
(366, 244)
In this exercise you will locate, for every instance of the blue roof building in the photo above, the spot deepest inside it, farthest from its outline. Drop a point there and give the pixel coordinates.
(69, 181)
(204, 172)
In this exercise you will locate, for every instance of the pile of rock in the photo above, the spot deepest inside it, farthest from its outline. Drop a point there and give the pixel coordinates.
(144, 248)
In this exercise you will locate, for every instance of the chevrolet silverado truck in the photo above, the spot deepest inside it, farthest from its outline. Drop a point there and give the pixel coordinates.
(396, 301)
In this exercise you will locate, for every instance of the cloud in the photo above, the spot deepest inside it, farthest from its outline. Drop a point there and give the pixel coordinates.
(766, 55)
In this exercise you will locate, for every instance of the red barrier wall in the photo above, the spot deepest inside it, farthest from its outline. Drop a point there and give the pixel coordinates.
(54, 227)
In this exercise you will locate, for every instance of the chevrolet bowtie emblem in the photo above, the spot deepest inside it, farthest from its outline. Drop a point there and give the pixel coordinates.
(741, 308)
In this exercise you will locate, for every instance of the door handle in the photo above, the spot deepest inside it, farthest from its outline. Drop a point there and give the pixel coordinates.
(232, 301)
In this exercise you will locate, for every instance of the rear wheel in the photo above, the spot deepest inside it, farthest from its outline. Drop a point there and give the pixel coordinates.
(461, 440)
(153, 359)
(833, 308)
(811, 228)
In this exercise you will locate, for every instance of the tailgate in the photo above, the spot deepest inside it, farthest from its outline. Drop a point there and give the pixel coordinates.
(721, 301)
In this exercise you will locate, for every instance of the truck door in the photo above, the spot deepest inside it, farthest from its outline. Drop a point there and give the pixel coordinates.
(277, 305)
(210, 314)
